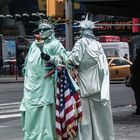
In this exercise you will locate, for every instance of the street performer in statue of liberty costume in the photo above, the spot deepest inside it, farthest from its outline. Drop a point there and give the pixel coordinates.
(39, 100)
(88, 57)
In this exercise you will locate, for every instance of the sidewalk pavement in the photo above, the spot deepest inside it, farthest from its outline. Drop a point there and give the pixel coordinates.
(11, 79)
(126, 125)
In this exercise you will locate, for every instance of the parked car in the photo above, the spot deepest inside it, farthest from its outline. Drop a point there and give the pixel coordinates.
(119, 68)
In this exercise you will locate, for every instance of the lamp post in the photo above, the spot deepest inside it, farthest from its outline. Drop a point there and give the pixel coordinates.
(69, 24)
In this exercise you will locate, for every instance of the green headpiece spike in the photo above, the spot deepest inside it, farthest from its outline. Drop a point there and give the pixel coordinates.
(40, 17)
(87, 24)
(86, 17)
(34, 22)
(46, 23)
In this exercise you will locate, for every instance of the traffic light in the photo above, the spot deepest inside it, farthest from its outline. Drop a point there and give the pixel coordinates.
(55, 8)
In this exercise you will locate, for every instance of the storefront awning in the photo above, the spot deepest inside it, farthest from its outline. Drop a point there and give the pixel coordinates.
(23, 16)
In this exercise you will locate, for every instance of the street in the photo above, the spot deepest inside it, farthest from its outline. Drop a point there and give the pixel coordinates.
(10, 97)
(10, 129)
(11, 92)
(120, 95)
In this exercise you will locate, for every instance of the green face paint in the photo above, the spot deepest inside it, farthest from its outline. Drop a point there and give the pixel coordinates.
(45, 30)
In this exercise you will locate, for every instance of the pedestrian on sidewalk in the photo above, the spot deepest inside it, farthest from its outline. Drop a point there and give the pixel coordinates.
(38, 105)
(135, 73)
(1, 63)
(125, 56)
(88, 56)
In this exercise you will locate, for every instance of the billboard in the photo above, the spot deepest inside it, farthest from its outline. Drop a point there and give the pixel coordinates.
(8, 49)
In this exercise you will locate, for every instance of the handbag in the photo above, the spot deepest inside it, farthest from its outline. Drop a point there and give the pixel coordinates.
(129, 82)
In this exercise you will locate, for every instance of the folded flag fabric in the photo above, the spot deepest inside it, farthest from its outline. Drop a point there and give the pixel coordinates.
(68, 107)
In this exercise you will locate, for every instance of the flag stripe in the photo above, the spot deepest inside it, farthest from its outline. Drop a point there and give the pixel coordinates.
(68, 106)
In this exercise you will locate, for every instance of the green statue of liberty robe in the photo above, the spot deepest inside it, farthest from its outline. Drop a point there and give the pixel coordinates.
(38, 103)
(97, 122)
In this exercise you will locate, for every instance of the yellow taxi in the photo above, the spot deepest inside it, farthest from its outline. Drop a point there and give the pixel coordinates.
(119, 68)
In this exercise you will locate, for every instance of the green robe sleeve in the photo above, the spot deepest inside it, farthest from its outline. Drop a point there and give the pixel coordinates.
(77, 53)
(57, 53)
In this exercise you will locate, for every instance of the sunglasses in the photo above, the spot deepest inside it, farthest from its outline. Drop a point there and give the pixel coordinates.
(43, 30)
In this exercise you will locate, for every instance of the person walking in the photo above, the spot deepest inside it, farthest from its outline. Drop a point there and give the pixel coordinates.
(1, 63)
(20, 63)
(88, 56)
(38, 106)
(135, 79)
(125, 56)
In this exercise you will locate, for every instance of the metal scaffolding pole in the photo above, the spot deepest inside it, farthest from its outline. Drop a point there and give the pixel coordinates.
(69, 24)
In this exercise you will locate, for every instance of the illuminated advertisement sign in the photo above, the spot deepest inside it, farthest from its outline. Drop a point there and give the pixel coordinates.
(114, 27)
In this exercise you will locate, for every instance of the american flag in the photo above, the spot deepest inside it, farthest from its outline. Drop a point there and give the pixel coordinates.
(68, 107)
